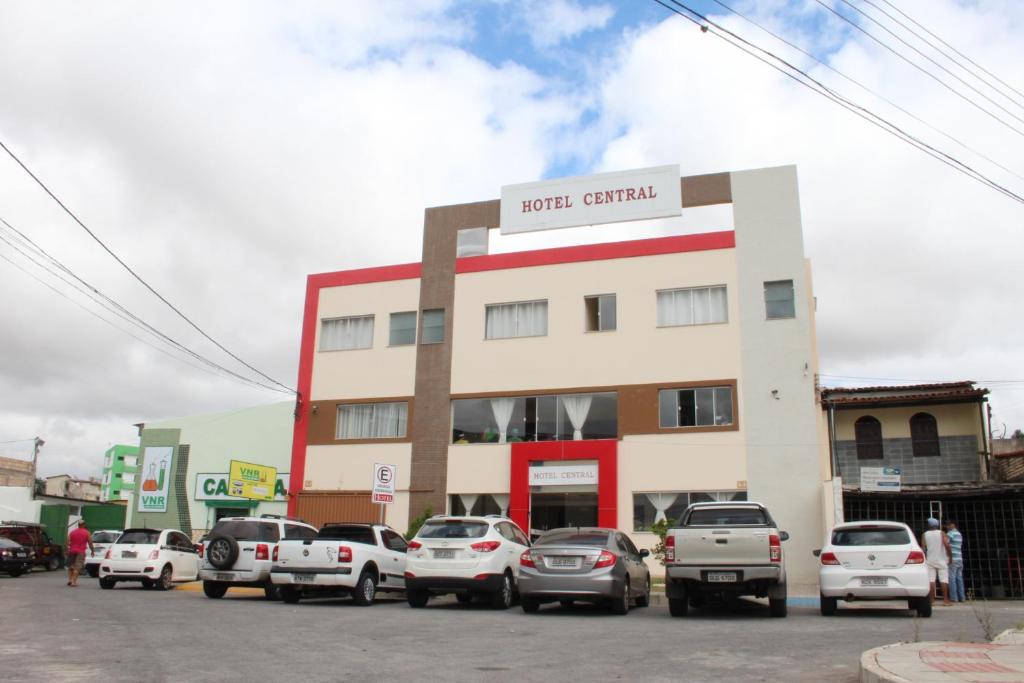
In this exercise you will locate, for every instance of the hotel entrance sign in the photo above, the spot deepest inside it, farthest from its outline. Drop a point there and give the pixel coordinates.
(591, 200)
(563, 475)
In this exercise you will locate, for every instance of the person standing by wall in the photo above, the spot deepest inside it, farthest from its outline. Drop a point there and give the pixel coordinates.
(956, 561)
(78, 540)
(937, 555)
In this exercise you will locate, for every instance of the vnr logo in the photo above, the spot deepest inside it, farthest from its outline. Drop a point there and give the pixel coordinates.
(152, 501)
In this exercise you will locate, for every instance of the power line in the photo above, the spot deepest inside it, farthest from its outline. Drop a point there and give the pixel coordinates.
(110, 304)
(822, 89)
(18, 440)
(124, 265)
(927, 73)
(925, 29)
(867, 89)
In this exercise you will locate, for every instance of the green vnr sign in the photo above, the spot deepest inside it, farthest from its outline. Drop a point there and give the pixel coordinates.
(214, 486)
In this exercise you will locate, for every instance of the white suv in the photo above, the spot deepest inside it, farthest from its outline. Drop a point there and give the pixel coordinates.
(468, 556)
(238, 552)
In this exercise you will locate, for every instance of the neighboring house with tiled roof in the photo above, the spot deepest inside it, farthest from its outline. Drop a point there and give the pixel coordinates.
(934, 433)
(1008, 459)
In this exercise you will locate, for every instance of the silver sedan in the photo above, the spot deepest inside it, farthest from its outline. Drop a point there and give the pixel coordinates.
(589, 564)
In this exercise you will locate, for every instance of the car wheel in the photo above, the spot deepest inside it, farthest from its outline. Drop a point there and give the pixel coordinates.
(164, 582)
(566, 604)
(620, 605)
(829, 606)
(923, 606)
(222, 551)
(53, 564)
(93, 570)
(106, 584)
(272, 592)
(417, 598)
(529, 605)
(215, 590)
(645, 599)
(365, 590)
(290, 595)
(777, 606)
(502, 599)
(678, 607)
(15, 573)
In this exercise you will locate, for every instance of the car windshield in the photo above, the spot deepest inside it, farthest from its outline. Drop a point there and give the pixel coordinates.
(594, 538)
(105, 536)
(353, 534)
(247, 530)
(886, 535)
(453, 528)
(8, 543)
(140, 536)
(727, 517)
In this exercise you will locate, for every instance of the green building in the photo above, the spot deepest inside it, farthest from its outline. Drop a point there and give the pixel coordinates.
(120, 468)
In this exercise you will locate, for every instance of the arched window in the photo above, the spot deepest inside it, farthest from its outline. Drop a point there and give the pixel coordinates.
(924, 435)
(868, 432)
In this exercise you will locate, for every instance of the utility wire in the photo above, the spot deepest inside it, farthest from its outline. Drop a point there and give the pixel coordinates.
(923, 28)
(110, 304)
(927, 73)
(860, 85)
(124, 265)
(822, 89)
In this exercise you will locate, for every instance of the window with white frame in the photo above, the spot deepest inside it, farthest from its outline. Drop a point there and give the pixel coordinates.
(372, 420)
(600, 312)
(433, 326)
(520, 319)
(128, 478)
(692, 306)
(130, 461)
(403, 329)
(699, 407)
(650, 508)
(343, 334)
(779, 300)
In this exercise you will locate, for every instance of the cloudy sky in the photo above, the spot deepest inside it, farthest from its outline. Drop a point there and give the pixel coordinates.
(227, 150)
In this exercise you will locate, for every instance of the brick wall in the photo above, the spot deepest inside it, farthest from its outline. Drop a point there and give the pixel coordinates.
(958, 461)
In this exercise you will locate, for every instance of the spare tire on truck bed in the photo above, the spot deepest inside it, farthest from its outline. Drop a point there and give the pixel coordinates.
(222, 551)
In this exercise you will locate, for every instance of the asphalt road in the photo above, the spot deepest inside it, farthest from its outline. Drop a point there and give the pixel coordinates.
(55, 633)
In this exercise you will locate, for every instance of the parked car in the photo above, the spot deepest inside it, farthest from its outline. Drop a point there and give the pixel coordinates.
(468, 556)
(15, 559)
(873, 561)
(344, 559)
(101, 541)
(589, 564)
(238, 550)
(725, 550)
(158, 558)
(47, 553)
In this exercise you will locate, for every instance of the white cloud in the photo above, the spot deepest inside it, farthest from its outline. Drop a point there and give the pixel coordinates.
(550, 22)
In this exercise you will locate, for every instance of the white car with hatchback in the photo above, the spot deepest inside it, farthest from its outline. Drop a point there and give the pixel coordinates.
(873, 561)
(158, 558)
(101, 542)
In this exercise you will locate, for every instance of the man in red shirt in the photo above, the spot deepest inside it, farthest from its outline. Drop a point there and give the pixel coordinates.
(78, 540)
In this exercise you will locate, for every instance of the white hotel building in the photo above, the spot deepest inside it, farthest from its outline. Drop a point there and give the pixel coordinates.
(606, 384)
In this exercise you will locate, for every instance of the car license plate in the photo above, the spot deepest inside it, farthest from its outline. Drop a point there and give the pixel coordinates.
(225, 577)
(303, 578)
(566, 562)
(129, 553)
(444, 553)
(721, 577)
(874, 581)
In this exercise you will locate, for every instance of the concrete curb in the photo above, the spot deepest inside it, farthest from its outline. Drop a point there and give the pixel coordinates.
(872, 672)
(943, 661)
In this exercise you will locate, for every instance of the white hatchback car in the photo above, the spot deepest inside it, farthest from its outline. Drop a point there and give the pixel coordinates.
(873, 561)
(468, 556)
(157, 558)
(101, 540)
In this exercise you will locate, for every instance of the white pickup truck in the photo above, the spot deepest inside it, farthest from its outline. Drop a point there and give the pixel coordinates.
(344, 559)
(725, 550)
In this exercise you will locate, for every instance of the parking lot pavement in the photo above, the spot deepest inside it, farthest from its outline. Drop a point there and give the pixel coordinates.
(55, 633)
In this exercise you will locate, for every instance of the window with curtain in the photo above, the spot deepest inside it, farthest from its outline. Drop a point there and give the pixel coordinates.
(476, 504)
(372, 420)
(563, 417)
(649, 508)
(403, 329)
(342, 334)
(433, 326)
(700, 407)
(692, 306)
(779, 300)
(521, 319)
(867, 431)
(924, 435)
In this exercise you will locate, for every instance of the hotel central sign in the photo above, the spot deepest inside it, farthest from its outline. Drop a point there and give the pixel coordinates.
(562, 475)
(591, 200)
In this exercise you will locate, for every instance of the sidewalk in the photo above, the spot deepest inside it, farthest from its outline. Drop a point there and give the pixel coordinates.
(934, 662)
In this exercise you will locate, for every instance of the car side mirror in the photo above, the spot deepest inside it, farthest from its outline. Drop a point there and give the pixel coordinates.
(783, 535)
(645, 553)
(817, 552)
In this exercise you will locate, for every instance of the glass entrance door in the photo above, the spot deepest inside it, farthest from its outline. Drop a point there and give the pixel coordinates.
(557, 510)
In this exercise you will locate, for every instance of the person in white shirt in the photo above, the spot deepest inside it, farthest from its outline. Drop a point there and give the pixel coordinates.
(937, 555)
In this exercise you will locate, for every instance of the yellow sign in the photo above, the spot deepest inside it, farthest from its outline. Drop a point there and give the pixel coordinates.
(255, 482)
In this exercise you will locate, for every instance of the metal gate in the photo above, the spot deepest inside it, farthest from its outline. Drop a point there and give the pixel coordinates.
(104, 516)
(320, 507)
(992, 527)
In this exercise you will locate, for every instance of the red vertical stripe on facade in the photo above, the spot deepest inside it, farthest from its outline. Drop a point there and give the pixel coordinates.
(305, 382)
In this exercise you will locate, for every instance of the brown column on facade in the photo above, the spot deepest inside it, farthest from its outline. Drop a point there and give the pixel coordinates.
(431, 420)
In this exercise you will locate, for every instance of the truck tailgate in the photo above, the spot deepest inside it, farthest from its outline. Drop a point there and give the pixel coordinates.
(717, 546)
(306, 555)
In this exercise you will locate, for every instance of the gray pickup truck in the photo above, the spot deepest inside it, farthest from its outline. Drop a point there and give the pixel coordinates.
(725, 550)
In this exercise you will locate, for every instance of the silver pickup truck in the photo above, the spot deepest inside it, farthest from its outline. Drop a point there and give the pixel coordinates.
(725, 550)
